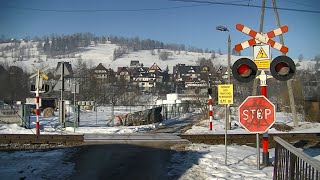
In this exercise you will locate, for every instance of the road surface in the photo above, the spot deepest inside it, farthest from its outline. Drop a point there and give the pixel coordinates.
(122, 161)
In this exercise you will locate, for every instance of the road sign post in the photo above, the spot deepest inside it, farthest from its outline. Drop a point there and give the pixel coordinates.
(39, 76)
(257, 115)
(225, 96)
(265, 140)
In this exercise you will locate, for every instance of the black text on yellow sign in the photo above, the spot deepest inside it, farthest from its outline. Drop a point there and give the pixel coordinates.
(225, 94)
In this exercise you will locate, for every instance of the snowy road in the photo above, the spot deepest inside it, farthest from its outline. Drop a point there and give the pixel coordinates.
(121, 161)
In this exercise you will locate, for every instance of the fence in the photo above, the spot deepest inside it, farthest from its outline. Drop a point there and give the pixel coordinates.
(147, 116)
(11, 115)
(72, 118)
(291, 163)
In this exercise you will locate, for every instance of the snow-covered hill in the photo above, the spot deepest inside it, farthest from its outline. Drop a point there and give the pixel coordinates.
(103, 53)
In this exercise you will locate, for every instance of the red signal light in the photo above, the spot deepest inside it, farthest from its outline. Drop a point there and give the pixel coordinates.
(244, 70)
(282, 68)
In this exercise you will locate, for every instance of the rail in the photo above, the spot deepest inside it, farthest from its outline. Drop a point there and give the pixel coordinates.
(250, 139)
(41, 139)
(292, 163)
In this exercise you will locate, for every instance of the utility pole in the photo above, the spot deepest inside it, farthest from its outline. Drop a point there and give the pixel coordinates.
(289, 82)
(255, 81)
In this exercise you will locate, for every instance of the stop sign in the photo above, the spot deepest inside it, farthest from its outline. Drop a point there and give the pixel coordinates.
(257, 114)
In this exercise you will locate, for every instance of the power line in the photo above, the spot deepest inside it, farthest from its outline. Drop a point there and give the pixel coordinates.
(244, 5)
(100, 10)
(299, 3)
(203, 3)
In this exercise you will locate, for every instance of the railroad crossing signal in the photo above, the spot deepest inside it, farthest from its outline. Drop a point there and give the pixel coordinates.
(39, 85)
(244, 70)
(282, 68)
(257, 114)
(261, 38)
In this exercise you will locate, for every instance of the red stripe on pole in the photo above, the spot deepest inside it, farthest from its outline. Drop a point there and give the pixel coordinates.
(210, 125)
(239, 27)
(271, 42)
(284, 29)
(252, 33)
(37, 99)
(37, 125)
(264, 90)
(284, 49)
(265, 144)
(37, 112)
(271, 34)
(252, 42)
(210, 102)
(37, 128)
(210, 113)
(238, 47)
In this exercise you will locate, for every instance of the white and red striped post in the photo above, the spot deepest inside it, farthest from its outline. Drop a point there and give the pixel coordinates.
(265, 141)
(37, 103)
(210, 112)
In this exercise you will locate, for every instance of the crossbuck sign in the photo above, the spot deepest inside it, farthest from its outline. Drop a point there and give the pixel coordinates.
(261, 38)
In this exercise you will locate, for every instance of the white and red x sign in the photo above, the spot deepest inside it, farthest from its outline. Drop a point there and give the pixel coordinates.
(264, 38)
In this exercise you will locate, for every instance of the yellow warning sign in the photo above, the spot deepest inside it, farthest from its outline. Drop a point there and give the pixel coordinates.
(262, 64)
(261, 54)
(225, 94)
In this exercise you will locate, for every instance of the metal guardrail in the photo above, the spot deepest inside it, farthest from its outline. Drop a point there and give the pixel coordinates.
(292, 163)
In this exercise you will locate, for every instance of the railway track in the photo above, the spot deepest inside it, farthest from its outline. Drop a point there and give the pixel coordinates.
(41, 139)
(250, 139)
(240, 139)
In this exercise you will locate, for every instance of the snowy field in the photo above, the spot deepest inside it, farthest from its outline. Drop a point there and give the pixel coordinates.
(103, 53)
(203, 161)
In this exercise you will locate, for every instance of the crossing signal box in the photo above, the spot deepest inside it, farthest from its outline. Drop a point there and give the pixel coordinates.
(32, 87)
(282, 68)
(46, 88)
(244, 70)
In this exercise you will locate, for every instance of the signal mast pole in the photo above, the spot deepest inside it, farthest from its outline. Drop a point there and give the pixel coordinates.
(289, 83)
(37, 103)
(263, 88)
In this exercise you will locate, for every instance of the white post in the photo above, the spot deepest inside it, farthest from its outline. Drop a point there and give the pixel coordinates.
(258, 152)
(37, 103)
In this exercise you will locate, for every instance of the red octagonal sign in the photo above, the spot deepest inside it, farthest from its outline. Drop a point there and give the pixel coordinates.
(257, 114)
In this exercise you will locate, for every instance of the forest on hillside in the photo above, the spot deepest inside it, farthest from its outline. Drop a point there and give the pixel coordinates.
(57, 45)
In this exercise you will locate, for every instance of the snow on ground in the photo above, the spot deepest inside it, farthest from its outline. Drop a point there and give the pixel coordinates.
(36, 164)
(281, 118)
(103, 53)
(197, 161)
(208, 162)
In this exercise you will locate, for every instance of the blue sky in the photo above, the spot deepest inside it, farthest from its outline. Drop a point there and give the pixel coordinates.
(194, 26)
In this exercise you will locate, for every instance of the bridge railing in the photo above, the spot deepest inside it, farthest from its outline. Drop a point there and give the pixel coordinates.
(292, 163)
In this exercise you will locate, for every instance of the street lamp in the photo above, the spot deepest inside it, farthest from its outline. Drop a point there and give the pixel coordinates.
(222, 28)
(228, 123)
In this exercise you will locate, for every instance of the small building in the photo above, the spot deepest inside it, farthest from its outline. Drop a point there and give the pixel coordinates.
(134, 63)
(124, 73)
(100, 72)
(182, 72)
